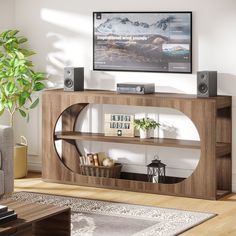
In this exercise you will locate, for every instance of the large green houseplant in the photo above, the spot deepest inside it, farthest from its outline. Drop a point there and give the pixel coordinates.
(18, 80)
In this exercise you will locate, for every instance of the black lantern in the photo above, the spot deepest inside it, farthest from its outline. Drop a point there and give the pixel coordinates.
(156, 171)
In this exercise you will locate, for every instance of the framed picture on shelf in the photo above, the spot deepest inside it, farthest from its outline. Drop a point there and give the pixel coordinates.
(119, 125)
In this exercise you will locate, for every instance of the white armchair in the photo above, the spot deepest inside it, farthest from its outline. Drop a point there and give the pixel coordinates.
(6, 160)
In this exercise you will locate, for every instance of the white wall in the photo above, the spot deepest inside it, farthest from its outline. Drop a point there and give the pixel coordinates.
(61, 32)
(6, 14)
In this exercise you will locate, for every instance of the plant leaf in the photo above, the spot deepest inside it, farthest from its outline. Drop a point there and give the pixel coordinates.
(25, 94)
(23, 114)
(21, 100)
(11, 40)
(6, 63)
(4, 34)
(19, 63)
(2, 107)
(2, 74)
(22, 40)
(2, 111)
(20, 55)
(9, 104)
(34, 104)
(26, 84)
(39, 76)
(29, 63)
(26, 52)
(10, 87)
(23, 82)
(13, 33)
(38, 86)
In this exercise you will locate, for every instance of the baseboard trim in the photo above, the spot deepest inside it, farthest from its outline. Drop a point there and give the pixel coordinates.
(234, 183)
(36, 167)
(34, 163)
(234, 188)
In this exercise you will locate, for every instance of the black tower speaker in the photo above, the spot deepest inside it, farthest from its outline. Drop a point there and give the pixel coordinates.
(73, 79)
(206, 83)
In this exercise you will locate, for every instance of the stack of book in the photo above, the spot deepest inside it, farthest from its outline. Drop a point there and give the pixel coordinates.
(6, 214)
(96, 159)
(93, 159)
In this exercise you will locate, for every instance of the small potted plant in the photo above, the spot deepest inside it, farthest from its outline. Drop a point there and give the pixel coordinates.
(145, 125)
(18, 82)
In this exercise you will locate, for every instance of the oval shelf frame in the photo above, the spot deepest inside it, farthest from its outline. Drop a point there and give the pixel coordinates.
(69, 137)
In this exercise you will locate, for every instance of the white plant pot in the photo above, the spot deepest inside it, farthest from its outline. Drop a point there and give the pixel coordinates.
(145, 133)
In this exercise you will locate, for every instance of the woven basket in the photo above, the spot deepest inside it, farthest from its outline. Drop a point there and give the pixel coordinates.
(102, 171)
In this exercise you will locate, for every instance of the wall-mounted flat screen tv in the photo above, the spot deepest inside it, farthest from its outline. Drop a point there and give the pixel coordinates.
(142, 41)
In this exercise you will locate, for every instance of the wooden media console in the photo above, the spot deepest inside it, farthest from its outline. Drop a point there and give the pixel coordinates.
(211, 179)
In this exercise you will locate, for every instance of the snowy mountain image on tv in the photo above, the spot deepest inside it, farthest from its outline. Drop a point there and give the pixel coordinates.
(173, 50)
(157, 42)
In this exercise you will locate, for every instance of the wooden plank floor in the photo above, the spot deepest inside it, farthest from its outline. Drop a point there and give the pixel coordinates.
(223, 224)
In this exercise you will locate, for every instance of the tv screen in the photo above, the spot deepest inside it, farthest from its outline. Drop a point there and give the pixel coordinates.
(142, 41)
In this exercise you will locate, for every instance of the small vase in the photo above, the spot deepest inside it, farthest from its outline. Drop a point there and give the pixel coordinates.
(145, 133)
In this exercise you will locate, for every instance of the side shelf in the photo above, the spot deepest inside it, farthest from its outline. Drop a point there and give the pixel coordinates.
(212, 179)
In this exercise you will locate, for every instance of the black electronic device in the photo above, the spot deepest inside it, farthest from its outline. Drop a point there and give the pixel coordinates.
(207, 83)
(6, 215)
(143, 41)
(136, 88)
(73, 79)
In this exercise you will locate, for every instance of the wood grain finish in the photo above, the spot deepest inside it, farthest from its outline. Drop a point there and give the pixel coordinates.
(69, 148)
(166, 142)
(35, 219)
(207, 114)
(57, 225)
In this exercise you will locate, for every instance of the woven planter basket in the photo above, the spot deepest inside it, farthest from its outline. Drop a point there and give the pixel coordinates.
(102, 171)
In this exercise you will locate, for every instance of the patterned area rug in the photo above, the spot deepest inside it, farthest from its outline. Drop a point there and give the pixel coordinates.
(100, 218)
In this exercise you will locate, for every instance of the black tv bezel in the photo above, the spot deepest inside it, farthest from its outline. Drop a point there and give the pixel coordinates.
(152, 12)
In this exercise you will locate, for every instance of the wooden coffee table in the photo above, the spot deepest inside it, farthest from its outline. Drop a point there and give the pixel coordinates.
(37, 220)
